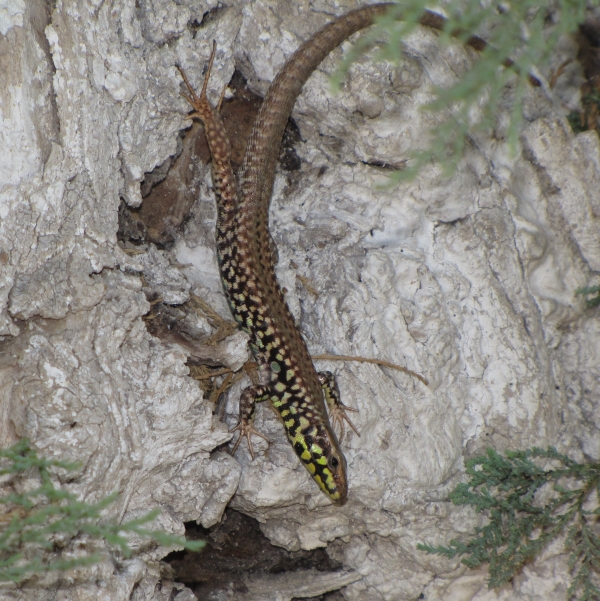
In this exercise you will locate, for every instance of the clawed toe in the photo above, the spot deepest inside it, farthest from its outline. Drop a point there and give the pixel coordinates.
(246, 430)
(338, 416)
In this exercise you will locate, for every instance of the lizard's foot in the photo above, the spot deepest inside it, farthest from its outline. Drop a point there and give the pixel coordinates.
(246, 430)
(200, 103)
(337, 415)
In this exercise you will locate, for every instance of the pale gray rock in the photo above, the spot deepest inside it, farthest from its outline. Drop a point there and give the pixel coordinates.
(81, 377)
(291, 585)
(468, 280)
(164, 279)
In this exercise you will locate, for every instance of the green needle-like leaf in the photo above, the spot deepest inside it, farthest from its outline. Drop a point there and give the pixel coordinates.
(519, 527)
(32, 519)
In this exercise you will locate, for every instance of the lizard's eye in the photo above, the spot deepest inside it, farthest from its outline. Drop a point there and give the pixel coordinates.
(334, 462)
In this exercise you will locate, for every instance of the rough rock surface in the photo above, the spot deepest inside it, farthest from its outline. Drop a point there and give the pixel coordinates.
(468, 280)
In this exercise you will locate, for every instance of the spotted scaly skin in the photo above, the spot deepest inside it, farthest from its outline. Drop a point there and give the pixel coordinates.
(287, 375)
(280, 351)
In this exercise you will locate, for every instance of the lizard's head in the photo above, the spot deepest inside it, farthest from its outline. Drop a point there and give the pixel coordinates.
(319, 451)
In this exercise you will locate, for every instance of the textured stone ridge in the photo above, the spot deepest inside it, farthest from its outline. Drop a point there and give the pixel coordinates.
(468, 280)
(81, 377)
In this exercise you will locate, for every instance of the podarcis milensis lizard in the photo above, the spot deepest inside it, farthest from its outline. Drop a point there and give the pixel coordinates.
(288, 377)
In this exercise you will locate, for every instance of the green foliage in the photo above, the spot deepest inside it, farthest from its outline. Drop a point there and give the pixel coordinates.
(528, 506)
(526, 31)
(32, 519)
(595, 300)
(587, 118)
(574, 119)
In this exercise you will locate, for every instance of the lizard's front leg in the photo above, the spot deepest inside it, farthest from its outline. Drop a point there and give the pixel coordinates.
(337, 409)
(250, 396)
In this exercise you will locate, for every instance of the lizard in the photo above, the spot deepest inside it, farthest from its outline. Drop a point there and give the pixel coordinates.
(287, 376)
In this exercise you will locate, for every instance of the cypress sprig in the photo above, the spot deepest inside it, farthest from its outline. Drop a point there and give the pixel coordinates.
(32, 519)
(528, 505)
(527, 32)
(590, 302)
